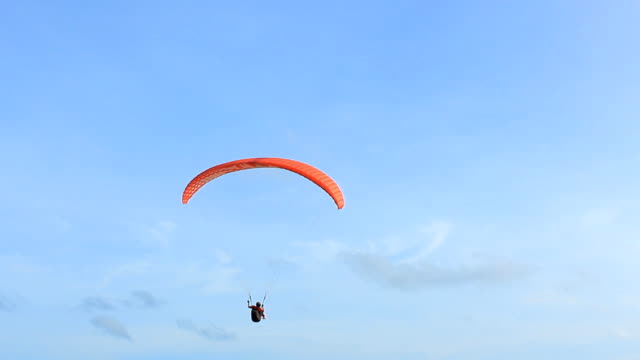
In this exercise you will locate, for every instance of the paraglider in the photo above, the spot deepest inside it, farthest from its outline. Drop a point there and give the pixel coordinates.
(257, 310)
(315, 175)
(311, 173)
(257, 313)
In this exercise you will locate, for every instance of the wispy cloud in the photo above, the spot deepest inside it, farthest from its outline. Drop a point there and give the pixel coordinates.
(161, 232)
(126, 270)
(16, 264)
(404, 262)
(316, 251)
(143, 299)
(439, 231)
(157, 235)
(138, 299)
(277, 264)
(420, 275)
(222, 257)
(624, 333)
(7, 304)
(111, 327)
(96, 303)
(211, 332)
(220, 280)
(208, 276)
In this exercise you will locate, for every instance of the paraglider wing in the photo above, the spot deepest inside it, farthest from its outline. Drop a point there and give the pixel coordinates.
(318, 177)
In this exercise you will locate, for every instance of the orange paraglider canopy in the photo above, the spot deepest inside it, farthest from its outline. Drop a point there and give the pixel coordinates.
(318, 177)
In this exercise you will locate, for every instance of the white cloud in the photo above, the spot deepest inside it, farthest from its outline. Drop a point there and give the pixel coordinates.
(414, 248)
(439, 232)
(402, 262)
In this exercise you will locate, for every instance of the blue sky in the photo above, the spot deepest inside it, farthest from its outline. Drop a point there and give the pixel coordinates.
(488, 153)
